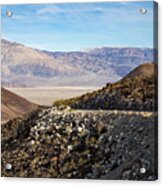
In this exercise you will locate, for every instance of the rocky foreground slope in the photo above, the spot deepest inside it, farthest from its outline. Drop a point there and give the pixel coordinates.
(81, 144)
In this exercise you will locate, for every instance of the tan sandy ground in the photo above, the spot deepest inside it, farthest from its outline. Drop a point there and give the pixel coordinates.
(47, 95)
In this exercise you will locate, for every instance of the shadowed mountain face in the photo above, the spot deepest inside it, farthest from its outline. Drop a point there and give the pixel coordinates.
(14, 105)
(136, 91)
(24, 66)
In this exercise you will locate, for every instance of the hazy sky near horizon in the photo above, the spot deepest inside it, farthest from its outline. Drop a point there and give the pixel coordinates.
(79, 26)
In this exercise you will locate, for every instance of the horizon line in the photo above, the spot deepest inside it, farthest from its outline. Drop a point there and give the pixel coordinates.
(86, 49)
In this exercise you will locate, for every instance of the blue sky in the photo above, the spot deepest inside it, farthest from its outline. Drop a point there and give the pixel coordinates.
(80, 26)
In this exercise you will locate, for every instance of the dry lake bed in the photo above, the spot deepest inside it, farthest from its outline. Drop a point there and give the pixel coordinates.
(47, 95)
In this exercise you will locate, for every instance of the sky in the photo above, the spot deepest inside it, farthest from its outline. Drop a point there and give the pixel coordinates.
(79, 26)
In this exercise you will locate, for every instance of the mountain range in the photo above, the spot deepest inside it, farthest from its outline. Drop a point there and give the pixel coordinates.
(29, 67)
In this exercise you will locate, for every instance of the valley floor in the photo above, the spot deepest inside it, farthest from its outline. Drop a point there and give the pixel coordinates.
(47, 95)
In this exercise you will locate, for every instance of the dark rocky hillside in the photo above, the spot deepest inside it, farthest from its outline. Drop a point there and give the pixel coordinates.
(144, 70)
(81, 144)
(136, 91)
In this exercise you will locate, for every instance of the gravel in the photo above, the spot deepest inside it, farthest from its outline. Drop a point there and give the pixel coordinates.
(63, 143)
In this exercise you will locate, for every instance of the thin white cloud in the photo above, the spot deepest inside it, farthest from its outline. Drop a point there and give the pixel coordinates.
(124, 2)
(50, 10)
(18, 17)
(55, 10)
